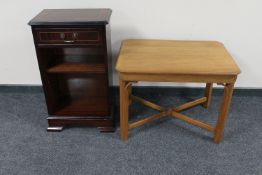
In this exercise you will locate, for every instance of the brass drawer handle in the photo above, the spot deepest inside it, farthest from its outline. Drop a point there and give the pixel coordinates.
(62, 36)
(75, 34)
(69, 41)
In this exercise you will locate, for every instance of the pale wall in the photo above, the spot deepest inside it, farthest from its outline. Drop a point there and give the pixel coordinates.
(236, 23)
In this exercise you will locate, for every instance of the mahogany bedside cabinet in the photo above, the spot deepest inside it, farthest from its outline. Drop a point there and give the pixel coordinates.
(73, 49)
(175, 61)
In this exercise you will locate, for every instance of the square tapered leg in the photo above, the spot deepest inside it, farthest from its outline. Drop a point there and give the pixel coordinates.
(124, 104)
(208, 94)
(226, 100)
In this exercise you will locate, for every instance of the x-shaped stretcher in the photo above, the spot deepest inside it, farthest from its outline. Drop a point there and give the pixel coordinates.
(175, 111)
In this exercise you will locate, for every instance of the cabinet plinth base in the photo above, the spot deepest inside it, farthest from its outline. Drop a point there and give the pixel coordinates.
(57, 123)
(106, 129)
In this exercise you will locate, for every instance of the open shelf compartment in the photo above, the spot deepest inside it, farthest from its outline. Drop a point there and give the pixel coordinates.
(74, 60)
(79, 95)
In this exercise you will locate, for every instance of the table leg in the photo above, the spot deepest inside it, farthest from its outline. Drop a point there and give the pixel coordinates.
(129, 89)
(208, 94)
(124, 103)
(226, 100)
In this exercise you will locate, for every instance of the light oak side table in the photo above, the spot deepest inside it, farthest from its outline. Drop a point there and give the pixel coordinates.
(175, 61)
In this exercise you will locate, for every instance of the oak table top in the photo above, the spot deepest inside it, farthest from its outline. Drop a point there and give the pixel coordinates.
(175, 57)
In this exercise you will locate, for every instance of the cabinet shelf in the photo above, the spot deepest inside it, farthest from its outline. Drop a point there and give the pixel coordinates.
(83, 107)
(78, 68)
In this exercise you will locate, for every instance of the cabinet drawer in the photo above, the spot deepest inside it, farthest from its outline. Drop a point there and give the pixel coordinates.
(89, 36)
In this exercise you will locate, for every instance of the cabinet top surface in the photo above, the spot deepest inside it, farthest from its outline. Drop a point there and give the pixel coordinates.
(175, 57)
(72, 17)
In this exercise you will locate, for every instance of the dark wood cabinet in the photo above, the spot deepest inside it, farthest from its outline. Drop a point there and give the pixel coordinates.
(74, 55)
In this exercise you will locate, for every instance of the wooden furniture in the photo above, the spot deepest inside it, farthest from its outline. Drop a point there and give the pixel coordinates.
(175, 61)
(73, 49)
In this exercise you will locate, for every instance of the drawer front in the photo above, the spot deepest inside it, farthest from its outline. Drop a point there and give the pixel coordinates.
(88, 36)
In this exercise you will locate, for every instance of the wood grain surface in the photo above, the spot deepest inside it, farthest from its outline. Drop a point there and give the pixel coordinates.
(175, 57)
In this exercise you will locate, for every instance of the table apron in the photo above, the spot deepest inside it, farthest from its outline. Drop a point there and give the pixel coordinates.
(179, 78)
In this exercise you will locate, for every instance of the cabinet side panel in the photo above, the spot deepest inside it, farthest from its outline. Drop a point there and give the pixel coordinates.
(50, 96)
(109, 64)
